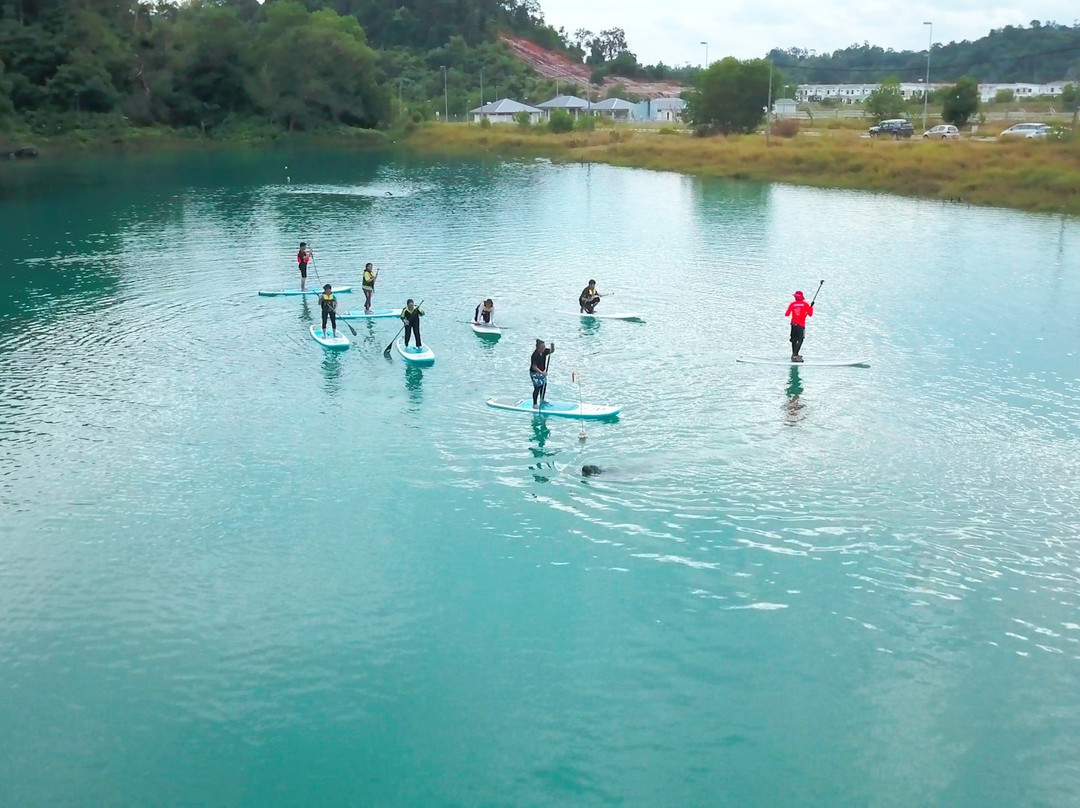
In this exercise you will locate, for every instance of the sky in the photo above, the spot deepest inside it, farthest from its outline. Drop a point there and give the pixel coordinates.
(671, 30)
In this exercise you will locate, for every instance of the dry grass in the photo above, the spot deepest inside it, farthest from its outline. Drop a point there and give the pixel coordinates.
(1028, 175)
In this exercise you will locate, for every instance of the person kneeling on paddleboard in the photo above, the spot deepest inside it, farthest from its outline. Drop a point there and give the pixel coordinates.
(302, 259)
(538, 370)
(410, 315)
(798, 311)
(482, 315)
(368, 285)
(588, 298)
(328, 304)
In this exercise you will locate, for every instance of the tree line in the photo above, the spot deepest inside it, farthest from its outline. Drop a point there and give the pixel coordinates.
(1039, 52)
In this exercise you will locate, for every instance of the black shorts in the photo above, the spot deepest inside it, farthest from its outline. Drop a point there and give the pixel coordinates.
(303, 270)
(797, 332)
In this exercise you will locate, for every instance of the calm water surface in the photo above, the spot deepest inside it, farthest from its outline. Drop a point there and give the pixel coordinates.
(238, 570)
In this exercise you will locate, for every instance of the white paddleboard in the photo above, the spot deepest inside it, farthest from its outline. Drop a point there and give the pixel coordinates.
(374, 314)
(561, 408)
(822, 363)
(337, 290)
(327, 340)
(486, 330)
(636, 318)
(417, 356)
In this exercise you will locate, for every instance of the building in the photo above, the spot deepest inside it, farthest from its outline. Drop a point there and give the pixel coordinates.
(667, 110)
(785, 108)
(504, 110)
(615, 108)
(570, 103)
(857, 93)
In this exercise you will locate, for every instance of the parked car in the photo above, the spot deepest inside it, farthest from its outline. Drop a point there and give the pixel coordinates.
(1027, 130)
(944, 131)
(894, 128)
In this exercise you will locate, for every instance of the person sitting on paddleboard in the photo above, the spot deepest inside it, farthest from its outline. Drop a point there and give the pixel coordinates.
(302, 259)
(328, 304)
(410, 315)
(538, 370)
(798, 311)
(368, 285)
(483, 312)
(588, 298)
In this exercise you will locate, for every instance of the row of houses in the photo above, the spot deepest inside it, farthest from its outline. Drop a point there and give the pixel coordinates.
(654, 109)
(852, 93)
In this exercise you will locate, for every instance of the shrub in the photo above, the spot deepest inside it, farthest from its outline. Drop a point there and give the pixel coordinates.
(786, 127)
(667, 130)
(585, 123)
(485, 122)
(561, 121)
(523, 119)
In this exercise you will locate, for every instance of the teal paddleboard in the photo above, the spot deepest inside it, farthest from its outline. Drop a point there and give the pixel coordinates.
(562, 409)
(414, 355)
(337, 290)
(327, 340)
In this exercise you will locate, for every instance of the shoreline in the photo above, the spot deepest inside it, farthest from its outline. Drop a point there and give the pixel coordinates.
(1040, 177)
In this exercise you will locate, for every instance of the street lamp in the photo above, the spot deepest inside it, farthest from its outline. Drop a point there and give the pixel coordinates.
(706, 44)
(926, 87)
(446, 97)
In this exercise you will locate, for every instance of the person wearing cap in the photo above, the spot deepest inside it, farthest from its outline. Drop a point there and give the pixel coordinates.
(302, 259)
(482, 315)
(588, 298)
(328, 304)
(410, 315)
(798, 311)
(538, 363)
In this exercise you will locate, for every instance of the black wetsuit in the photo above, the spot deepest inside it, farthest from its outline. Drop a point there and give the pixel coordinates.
(588, 299)
(537, 366)
(328, 303)
(412, 324)
(482, 315)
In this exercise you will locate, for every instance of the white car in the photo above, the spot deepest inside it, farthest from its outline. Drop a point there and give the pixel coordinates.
(1027, 130)
(944, 131)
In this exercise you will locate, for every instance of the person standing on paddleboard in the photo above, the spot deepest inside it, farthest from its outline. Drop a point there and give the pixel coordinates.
(798, 311)
(410, 315)
(538, 370)
(328, 304)
(368, 285)
(302, 259)
(588, 298)
(482, 315)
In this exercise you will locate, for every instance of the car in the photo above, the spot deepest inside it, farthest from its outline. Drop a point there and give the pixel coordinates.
(894, 127)
(1027, 130)
(944, 131)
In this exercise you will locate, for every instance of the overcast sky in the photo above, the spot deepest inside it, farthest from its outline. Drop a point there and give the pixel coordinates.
(670, 30)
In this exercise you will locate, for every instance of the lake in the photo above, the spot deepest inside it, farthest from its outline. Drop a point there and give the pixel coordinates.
(237, 569)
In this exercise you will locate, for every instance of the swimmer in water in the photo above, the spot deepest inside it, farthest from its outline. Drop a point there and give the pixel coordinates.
(590, 471)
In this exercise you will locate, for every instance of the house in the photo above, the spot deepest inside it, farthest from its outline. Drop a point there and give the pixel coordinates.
(785, 108)
(504, 110)
(666, 109)
(571, 103)
(616, 109)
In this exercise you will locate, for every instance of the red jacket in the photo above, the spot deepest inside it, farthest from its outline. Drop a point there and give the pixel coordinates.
(799, 311)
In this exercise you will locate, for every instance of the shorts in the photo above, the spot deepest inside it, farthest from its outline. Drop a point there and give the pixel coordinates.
(538, 379)
(303, 270)
(797, 332)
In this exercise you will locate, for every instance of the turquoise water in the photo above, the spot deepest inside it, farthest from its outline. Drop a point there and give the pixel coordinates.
(236, 569)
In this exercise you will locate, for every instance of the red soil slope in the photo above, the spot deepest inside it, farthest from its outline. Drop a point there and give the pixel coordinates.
(555, 65)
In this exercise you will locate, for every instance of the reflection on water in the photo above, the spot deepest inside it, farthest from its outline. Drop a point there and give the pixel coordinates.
(414, 384)
(794, 397)
(331, 371)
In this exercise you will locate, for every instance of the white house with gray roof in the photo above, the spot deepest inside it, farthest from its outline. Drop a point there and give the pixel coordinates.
(571, 103)
(504, 110)
(615, 108)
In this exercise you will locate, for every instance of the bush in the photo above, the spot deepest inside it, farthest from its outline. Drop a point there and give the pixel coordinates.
(667, 130)
(585, 123)
(561, 121)
(523, 120)
(786, 127)
(485, 122)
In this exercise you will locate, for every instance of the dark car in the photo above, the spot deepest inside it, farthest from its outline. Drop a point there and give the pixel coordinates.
(894, 128)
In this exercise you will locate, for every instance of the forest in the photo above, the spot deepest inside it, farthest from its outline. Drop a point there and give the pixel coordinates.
(1039, 52)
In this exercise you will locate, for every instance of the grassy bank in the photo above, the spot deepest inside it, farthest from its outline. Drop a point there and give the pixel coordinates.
(1028, 175)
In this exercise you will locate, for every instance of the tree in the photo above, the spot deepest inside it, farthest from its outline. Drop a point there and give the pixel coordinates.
(886, 102)
(961, 101)
(1070, 96)
(561, 121)
(1004, 97)
(82, 84)
(730, 96)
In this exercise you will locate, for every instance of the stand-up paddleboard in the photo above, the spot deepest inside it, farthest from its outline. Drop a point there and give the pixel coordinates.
(561, 408)
(374, 314)
(486, 330)
(627, 316)
(414, 355)
(325, 339)
(337, 290)
(822, 363)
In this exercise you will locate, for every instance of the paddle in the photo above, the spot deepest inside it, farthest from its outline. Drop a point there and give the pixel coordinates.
(816, 293)
(547, 372)
(386, 351)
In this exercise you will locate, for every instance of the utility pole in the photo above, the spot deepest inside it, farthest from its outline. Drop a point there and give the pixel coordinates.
(481, 93)
(446, 97)
(768, 109)
(400, 105)
(706, 65)
(926, 88)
